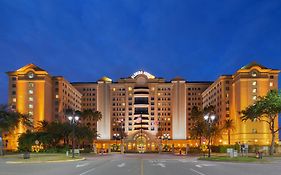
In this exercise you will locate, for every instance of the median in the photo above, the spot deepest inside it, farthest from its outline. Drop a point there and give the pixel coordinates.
(41, 158)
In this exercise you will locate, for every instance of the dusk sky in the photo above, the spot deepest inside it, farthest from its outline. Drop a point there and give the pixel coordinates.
(84, 40)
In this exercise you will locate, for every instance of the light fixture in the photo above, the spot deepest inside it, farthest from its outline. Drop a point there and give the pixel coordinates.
(206, 117)
(213, 117)
(70, 118)
(76, 118)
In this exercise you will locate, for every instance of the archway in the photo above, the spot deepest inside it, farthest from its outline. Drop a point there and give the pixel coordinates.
(141, 143)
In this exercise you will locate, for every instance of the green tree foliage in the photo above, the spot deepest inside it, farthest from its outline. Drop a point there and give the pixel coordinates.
(10, 119)
(265, 109)
(200, 129)
(228, 126)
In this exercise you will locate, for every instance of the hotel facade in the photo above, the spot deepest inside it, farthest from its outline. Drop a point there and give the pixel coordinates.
(144, 111)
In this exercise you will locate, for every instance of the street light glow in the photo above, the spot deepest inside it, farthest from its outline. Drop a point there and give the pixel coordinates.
(206, 117)
(213, 117)
(69, 118)
(76, 118)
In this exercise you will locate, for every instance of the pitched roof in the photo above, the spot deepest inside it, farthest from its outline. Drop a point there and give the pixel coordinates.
(30, 66)
(252, 64)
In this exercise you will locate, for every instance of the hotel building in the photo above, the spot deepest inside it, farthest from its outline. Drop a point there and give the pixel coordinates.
(143, 109)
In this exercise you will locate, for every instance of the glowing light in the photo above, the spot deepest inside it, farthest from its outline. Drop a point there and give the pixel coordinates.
(206, 117)
(141, 72)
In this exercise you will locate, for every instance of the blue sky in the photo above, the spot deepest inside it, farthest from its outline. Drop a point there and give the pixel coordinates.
(84, 40)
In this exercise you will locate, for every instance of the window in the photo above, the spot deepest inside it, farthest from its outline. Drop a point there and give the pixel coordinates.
(14, 99)
(30, 75)
(30, 106)
(254, 97)
(254, 74)
(57, 96)
(255, 90)
(30, 84)
(30, 99)
(271, 84)
(30, 91)
(254, 83)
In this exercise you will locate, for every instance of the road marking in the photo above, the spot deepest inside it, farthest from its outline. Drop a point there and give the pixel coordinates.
(121, 165)
(141, 167)
(82, 165)
(198, 172)
(90, 170)
(208, 165)
(161, 164)
(199, 166)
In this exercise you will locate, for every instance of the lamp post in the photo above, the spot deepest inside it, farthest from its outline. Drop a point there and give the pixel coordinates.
(209, 119)
(166, 137)
(73, 119)
(116, 135)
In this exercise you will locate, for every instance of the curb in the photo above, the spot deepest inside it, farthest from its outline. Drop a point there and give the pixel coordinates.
(49, 161)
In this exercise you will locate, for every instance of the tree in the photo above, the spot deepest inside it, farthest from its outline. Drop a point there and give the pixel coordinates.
(10, 119)
(265, 109)
(229, 126)
(92, 115)
(200, 129)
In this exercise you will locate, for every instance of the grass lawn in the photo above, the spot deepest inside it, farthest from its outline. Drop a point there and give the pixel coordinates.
(40, 157)
(233, 159)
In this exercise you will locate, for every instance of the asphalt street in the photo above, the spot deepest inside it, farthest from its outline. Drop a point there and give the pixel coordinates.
(135, 164)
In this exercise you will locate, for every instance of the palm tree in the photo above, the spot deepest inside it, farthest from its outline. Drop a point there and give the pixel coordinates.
(229, 126)
(10, 119)
(200, 127)
(92, 115)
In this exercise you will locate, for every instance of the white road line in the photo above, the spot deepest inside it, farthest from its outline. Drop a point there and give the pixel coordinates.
(90, 170)
(121, 165)
(161, 164)
(198, 172)
(82, 165)
(199, 166)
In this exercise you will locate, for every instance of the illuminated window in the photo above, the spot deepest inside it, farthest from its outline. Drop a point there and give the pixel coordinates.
(14, 99)
(254, 90)
(159, 94)
(30, 84)
(254, 97)
(30, 106)
(130, 88)
(30, 91)
(30, 99)
(254, 83)
(113, 89)
(30, 113)
(271, 84)
(57, 96)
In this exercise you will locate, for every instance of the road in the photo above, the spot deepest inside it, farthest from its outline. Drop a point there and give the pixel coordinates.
(145, 164)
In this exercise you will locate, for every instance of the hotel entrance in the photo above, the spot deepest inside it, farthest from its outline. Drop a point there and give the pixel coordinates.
(141, 144)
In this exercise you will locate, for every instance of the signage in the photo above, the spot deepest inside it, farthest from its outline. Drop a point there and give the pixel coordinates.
(141, 72)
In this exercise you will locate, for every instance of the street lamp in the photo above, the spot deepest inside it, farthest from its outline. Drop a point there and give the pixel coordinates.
(73, 120)
(166, 137)
(209, 119)
(116, 135)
